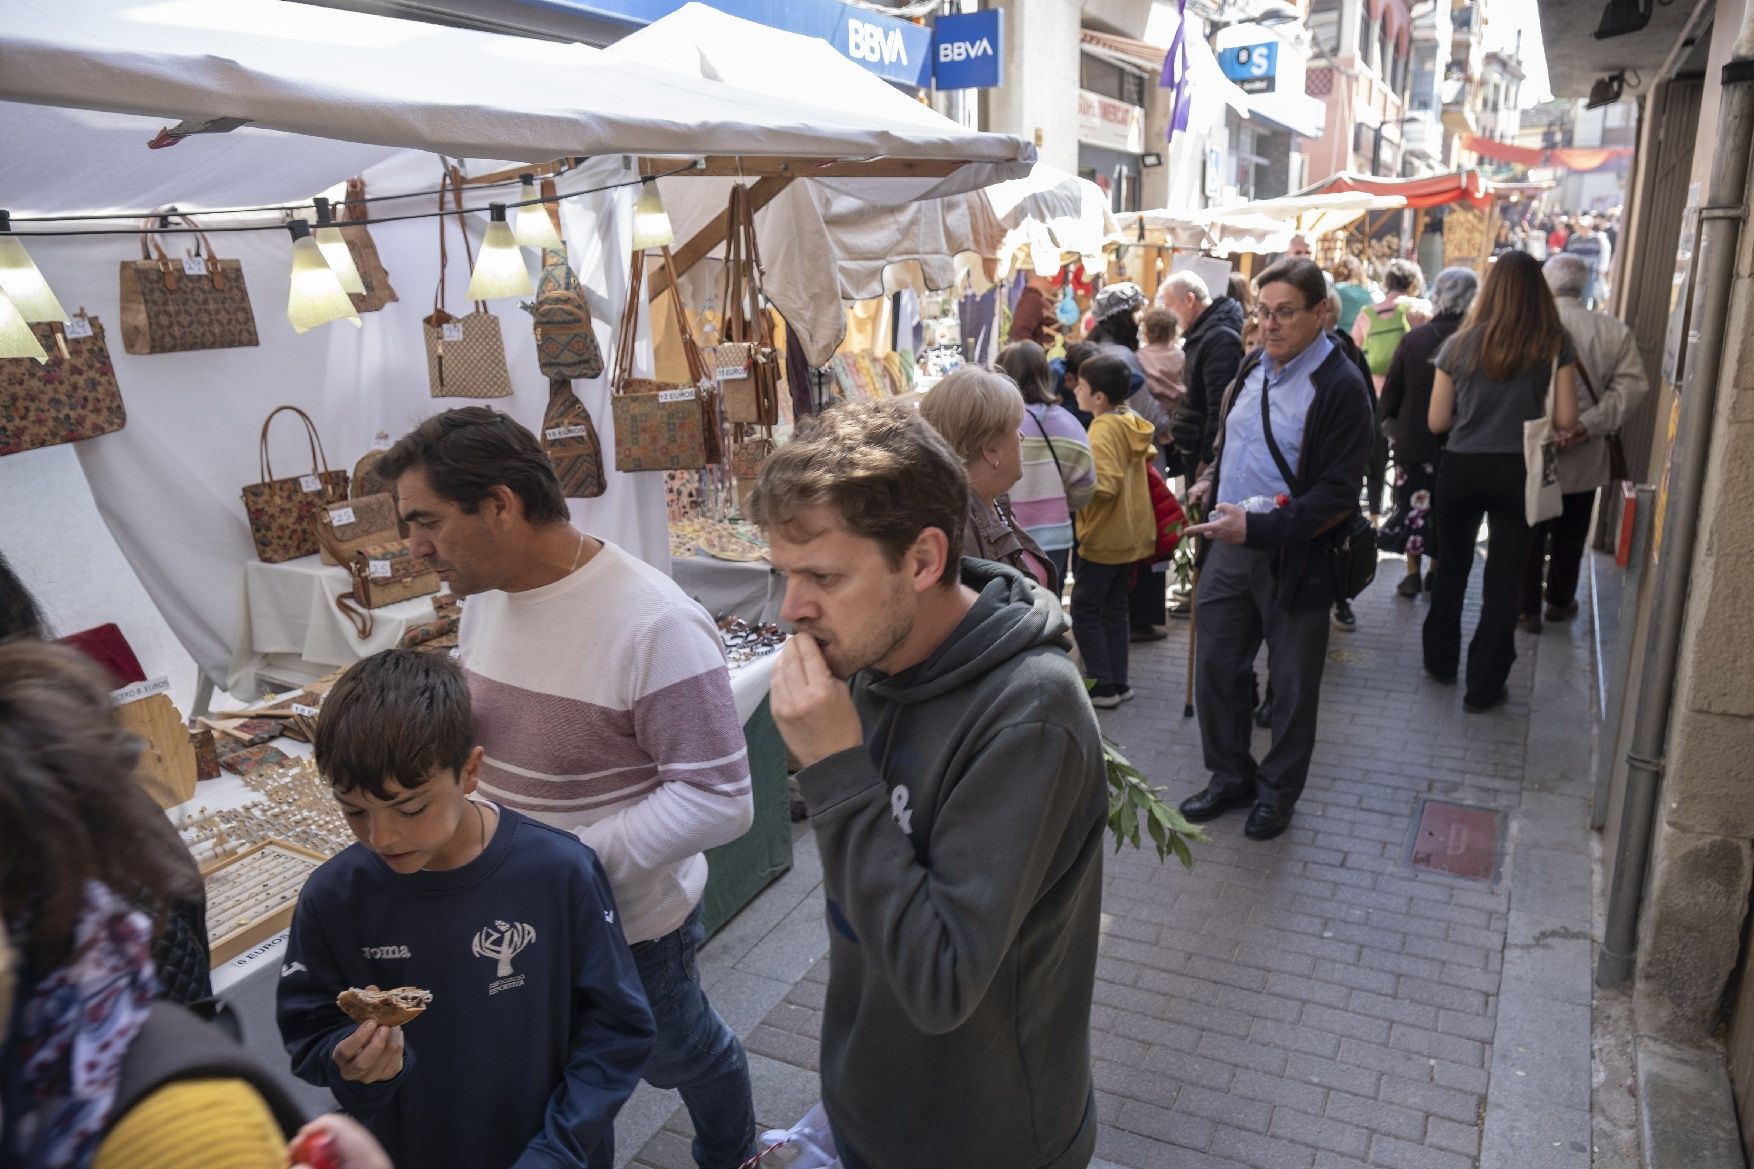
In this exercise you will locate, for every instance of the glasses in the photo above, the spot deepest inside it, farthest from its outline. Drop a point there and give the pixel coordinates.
(1284, 314)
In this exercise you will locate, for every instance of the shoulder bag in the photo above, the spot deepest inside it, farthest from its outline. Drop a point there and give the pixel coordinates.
(384, 574)
(70, 397)
(1618, 469)
(662, 427)
(345, 527)
(1350, 537)
(378, 292)
(281, 510)
(465, 356)
(566, 344)
(177, 306)
(570, 439)
(1542, 499)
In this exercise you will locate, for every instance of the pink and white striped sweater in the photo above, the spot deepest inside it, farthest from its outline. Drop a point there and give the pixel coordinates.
(605, 709)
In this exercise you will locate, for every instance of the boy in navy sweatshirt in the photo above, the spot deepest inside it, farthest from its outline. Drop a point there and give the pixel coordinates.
(538, 1026)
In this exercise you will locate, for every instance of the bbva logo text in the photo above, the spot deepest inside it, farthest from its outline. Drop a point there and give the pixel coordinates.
(964, 50)
(868, 42)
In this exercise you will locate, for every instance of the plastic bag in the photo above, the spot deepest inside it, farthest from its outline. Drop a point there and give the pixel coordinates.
(806, 1145)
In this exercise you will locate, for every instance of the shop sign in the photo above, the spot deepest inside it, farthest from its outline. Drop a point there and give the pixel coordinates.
(892, 49)
(1254, 68)
(966, 50)
(1103, 121)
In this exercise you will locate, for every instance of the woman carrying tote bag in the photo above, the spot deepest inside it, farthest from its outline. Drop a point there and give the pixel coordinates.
(1507, 370)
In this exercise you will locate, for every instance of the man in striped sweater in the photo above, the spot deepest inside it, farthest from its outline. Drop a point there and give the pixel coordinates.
(603, 704)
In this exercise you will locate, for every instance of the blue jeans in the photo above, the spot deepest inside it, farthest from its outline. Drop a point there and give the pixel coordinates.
(694, 1052)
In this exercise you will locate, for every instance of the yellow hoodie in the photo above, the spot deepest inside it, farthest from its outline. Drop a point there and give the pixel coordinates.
(1118, 526)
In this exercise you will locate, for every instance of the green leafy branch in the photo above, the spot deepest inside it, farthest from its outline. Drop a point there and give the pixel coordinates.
(1131, 798)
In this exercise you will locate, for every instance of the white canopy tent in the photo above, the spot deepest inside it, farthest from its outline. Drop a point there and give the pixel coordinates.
(85, 84)
(1263, 226)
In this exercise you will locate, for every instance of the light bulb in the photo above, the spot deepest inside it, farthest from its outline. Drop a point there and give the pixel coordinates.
(316, 296)
(22, 283)
(651, 226)
(534, 228)
(499, 269)
(340, 259)
(16, 337)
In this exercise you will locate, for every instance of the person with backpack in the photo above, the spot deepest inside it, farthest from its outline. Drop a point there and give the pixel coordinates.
(1378, 330)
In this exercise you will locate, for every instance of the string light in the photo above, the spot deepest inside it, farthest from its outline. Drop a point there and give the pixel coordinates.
(534, 228)
(499, 269)
(336, 251)
(16, 337)
(651, 224)
(23, 284)
(316, 296)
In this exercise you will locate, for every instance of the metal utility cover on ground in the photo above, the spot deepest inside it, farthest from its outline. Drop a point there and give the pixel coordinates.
(1458, 840)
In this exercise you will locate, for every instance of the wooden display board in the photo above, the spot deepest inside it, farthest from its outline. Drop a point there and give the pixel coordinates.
(251, 896)
(167, 759)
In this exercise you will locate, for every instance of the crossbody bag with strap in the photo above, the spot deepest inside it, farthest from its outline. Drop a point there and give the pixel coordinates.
(1352, 537)
(1618, 469)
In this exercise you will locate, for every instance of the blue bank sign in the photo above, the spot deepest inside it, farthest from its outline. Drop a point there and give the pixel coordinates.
(966, 50)
(1254, 68)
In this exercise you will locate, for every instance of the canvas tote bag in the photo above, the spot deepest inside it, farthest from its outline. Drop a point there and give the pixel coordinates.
(1542, 499)
(70, 397)
(282, 511)
(465, 356)
(659, 426)
(178, 306)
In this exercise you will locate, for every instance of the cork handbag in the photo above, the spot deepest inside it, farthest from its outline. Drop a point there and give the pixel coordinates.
(178, 306)
(344, 527)
(570, 439)
(658, 426)
(384, 574)
(281, 510)
(70, 397)
(372, 274)
(465, 356)
(748, 365)
(566, 345)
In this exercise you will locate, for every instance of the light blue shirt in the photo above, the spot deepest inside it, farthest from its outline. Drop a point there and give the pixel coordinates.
(1247, 466)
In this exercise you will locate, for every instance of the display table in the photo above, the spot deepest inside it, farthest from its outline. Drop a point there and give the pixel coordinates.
(752, 590)
(289, 609)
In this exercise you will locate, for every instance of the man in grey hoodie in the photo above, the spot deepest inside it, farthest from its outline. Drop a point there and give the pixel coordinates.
(954, 775)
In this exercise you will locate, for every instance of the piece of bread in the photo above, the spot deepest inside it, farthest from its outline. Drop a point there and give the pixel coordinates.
(388, 1008)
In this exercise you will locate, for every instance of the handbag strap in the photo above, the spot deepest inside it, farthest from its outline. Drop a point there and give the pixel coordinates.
(696, 363)
(353, 209)
(361, 619)
(319, 460)
(173, 269)
(628, 333)
(1285, 472)
(452, 181)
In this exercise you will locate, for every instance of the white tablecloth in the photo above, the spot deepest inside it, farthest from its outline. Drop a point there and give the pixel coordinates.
(289, 608)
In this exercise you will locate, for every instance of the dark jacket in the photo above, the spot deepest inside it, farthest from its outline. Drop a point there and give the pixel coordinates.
(962, 848)
(1406, 391)
(1337, 437)
(1213, 346)
(992, 534)
(1343, 341)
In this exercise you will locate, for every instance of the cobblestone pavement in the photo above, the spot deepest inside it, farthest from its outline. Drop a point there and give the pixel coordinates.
(1312, 1002)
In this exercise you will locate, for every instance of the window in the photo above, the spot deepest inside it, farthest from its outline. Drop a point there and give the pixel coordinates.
(1324, 26)
(1379, 58)
(1363, 46)
(1111, 80)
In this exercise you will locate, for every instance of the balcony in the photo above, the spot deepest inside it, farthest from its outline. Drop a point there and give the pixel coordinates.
(1422, 133)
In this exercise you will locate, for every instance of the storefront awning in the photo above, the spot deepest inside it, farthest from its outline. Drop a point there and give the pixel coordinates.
(1465, 186)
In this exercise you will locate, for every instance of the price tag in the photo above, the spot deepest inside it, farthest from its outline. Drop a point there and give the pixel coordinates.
(307, 711)
(309, 483)
(675, 395)
(731, 373)
(378, 569)
(341, 515)
(555, 434)
(77, 327)
(382, 442)
(195, 265)
(452, 331)
(140, 690)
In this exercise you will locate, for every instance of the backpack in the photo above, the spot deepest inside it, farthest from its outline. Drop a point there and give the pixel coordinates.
(566, 346)
(1384, 338)
(176, 1045)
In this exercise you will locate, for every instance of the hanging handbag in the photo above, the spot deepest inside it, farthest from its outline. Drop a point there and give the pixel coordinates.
(378, 292)
(344, 528)
(748, 365)
(566, 344)
(280, 510)
(384, 574)
(1542, 499)
(465, 356)
(570, 439)
(70, 397)
(658, 426)
(176, 306)
(1351, 539)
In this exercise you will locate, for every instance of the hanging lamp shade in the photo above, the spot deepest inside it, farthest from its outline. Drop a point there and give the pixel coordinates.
(30, 294)
(316, 296)
(16, 338)
(651, 225)
(534, 229)
(340, 259)
(499, 269)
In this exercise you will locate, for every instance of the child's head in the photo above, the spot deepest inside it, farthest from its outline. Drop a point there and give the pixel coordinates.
(1103, 384)
(396, 741)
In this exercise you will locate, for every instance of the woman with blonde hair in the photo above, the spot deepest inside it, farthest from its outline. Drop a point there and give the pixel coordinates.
(1493, 375)
(979, 412)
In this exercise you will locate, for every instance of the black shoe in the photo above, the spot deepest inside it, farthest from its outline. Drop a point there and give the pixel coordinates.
(1562, 612)
(1529, 623)
(1213, 803)
(1409, 586)
(1267, 821)
(1264, 713)
(1147, 633)
(1482, 705)
(1344, 619)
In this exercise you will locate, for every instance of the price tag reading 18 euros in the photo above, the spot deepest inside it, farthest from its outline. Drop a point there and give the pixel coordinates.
(452, 331)
(77, 327)
(195, 266)
(309, 483)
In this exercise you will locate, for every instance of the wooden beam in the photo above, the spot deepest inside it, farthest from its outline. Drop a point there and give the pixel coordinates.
(733, 166)
(539, 169)
(713, 234)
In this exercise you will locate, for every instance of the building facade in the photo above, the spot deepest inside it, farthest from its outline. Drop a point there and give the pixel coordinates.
(1364, 76)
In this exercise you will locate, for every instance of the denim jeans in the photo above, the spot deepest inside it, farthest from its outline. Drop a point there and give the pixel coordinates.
(694, 1052)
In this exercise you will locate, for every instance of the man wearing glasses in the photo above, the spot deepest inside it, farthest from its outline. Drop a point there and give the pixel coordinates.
(1293, 440)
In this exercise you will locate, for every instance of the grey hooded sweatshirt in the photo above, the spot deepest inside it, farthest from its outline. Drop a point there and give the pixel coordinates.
(962, 859)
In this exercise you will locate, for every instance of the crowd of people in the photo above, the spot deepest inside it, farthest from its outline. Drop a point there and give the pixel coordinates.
(531, 817)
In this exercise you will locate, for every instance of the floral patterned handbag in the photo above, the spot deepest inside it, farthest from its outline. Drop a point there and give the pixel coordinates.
(177, 306)
(281, 511)
(70, 397)
(662, 427)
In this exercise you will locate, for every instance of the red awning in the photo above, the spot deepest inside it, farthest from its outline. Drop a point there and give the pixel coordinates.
(1578, 158)
(1468, 186)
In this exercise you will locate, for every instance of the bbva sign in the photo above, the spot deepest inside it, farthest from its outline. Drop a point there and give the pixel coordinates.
(871, 42)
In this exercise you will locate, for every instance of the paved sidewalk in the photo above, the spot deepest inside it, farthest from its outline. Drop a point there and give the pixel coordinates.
(1309, 1003)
